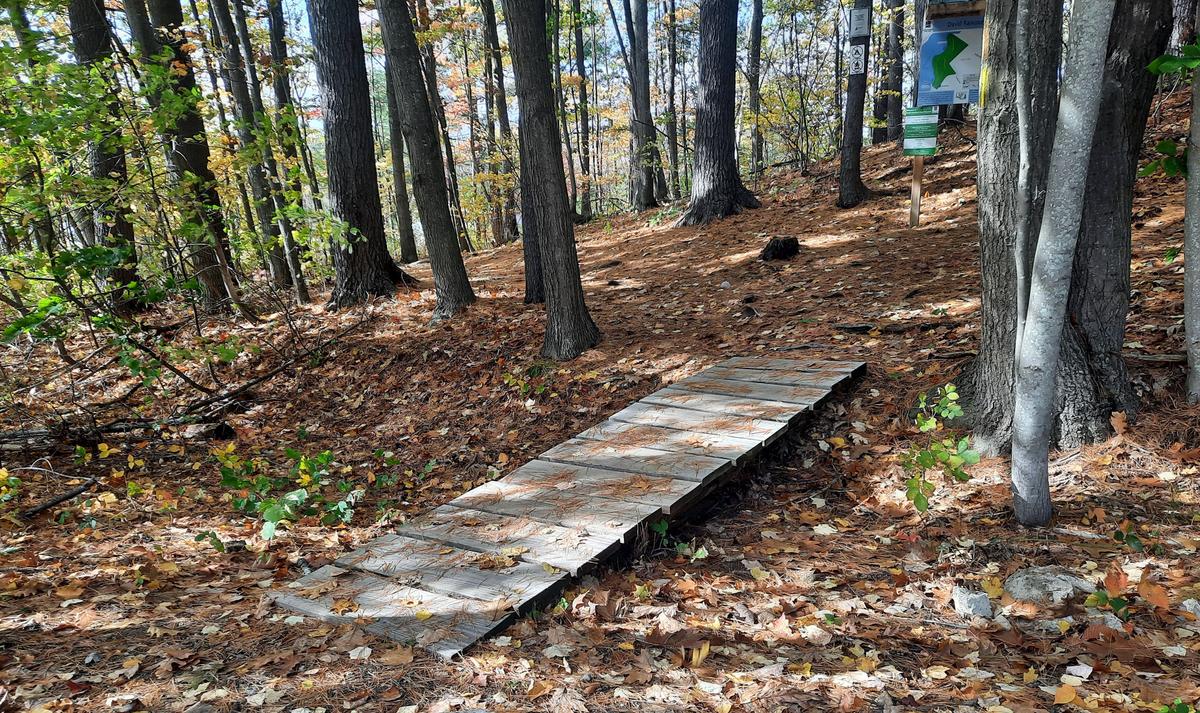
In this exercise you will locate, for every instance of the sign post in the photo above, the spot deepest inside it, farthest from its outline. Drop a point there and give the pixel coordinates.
(920, 140)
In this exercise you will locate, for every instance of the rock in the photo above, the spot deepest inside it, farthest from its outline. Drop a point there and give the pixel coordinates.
(1191, 606)
(1105, 618)
(725, 285)
(780, 248)
(970, 603)
(1046, 585)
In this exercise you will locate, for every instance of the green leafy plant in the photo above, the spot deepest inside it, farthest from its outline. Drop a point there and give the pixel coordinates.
(950, 455)
(1172, 160)
(1179, 707)
(10, 487)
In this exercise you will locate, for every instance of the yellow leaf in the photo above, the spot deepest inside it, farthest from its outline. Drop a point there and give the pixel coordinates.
(837, 442)
(1030, 675)
(1063, 625)
(1064, 695)
(423, 614)
(539, 688)
(625, 646)
(993, 587)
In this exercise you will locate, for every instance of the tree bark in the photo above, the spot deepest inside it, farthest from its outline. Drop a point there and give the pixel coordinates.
(492, 40)
(895, 73)
(851, 189)
(753, 68)
(642, 174)
(531, 251)
(1191, 245)
(1092, 381)
(1037, 363)
(289, 131)
(1183, 31)
(672, 116)
(569, 327)
(153, 28)
(408, 241)
(361, 261)
(420, 131)
(717, 189)
(94, 49)
(585, 160)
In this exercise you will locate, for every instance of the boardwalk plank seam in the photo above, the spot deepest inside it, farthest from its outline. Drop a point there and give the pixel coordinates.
(461, 572)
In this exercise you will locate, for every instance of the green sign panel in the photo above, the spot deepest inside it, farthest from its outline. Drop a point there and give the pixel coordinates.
(920, 131)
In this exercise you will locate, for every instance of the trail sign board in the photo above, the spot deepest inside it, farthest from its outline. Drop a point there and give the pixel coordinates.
(920, 131)
(858, 59)
(950, 59)
(860, 22)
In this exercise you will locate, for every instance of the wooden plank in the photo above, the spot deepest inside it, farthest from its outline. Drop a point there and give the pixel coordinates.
(442, 625)
(571, 550)
(801, 395)
(598, 516)
(497, 579)
(776, 363)
(729, 447)
(732, 405)
(670, 495)
(764, 432)
(819, 379)
(616, 455)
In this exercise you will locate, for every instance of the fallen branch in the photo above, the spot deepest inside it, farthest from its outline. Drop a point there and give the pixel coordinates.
(58, 499)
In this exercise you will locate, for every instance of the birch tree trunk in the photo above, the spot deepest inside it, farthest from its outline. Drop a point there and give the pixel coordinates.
(1051, 280)
(1191, 248)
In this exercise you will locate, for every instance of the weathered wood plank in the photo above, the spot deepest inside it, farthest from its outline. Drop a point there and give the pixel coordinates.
(700, 422)
(800, 395)
(604, 517)
(776, 363)
(732, 405)
(615, 455)
(442, 625)
(497, 579)
(820, 379)
(726, 446)
(571, 550)
(670, 495)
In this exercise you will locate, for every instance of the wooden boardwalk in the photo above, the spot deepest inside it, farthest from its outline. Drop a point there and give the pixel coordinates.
(456, 574)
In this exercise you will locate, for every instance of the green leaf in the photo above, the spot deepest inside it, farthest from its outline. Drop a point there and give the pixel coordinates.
(1167, 147)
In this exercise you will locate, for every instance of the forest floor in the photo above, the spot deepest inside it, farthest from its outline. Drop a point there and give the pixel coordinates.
(821, 588)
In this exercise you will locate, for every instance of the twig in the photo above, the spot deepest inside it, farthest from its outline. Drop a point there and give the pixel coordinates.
(77, 490)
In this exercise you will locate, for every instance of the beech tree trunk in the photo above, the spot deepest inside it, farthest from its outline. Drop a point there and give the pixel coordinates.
(420, 131)
(753, 67)
(94, 49)
(1183, 31)
(717, 189)
(569, 327)
(851, 189)
(408, 241)
(1050, 287)
(1092, 381)
(361, 261)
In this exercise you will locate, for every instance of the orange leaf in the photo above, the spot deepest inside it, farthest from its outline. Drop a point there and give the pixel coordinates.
(1154, 594)
(1115, 580)
(1065, 694)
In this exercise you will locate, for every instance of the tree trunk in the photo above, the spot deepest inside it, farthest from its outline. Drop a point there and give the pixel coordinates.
(1050, 287)
(360, 257)
(420, 131)
(408, 241)
(94, 49)
(569, 327)
(585, 160)
(644, 151)
(1191, 240)
(895, 73)
(672, 116)
(225, 36)
(717, 189)
(851, 190)
(492, 41)
(753, 68)
(531, 252)
(187, 151)
(1092, 381)
(1183, 31)
(289, 131)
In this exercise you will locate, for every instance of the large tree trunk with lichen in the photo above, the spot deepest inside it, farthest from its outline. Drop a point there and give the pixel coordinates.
(569, 327)
(851, 189)
(360, 257)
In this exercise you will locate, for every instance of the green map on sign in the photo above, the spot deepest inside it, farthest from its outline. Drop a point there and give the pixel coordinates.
(941, 61)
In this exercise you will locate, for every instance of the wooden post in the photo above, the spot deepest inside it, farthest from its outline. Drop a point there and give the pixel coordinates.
(918, 171)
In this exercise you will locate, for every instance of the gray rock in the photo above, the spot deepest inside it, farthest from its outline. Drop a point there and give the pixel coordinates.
(1046, 585)
(1106, 618)
(970, 603)
(1192, 607)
